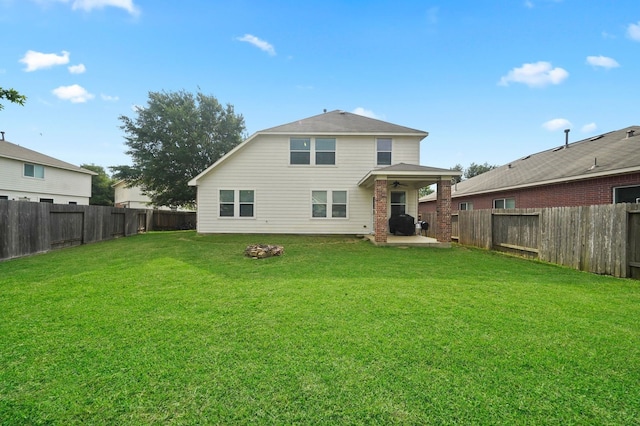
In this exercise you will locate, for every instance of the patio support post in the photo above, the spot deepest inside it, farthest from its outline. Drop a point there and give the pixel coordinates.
(380, 210)
(443, 211)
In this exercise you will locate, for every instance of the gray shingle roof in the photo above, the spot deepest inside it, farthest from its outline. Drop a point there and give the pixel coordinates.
(607, 154)
(17, 152)
(341, 122)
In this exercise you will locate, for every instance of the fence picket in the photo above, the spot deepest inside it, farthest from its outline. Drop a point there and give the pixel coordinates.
(27, 228)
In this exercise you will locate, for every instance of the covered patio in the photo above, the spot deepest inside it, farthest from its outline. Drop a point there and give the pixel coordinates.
(408, 241)
(411, 178)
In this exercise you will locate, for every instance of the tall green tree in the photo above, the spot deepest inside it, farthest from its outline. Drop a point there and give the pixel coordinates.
(12, 95)
(459, 168)
(477, 169)
(102, 192)
(172, 139)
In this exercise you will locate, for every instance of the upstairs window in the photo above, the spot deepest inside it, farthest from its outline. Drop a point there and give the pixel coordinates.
(325, 151)
(321, 150)
(383, 151)
(300, 151)
(34, 171)
(504, 203)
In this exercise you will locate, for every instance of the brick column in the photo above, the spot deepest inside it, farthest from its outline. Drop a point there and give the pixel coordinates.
(443, 211)
(380, 220)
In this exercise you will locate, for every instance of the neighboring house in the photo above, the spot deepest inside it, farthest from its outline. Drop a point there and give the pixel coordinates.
(603, 169)
(30, 176)
(132, 197)
(333, 173)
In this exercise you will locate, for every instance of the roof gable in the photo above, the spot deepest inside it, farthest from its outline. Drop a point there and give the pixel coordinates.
(329, 123)
(19, 153)
(341, 122)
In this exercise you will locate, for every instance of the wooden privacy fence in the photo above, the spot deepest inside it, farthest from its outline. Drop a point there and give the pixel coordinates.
(603, 239)
(28, 228)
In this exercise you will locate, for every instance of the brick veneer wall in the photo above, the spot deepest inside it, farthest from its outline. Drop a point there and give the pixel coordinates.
(380, 226)
(443, 209)
(578, 193)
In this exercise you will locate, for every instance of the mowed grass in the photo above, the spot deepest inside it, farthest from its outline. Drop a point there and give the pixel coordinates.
(178, 328)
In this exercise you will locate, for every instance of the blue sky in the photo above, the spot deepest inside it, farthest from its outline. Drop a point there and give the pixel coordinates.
(491, 81)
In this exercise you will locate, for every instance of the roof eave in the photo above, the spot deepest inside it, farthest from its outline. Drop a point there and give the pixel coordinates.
(421, 135)
(616, 172)
(71, 167)
(416, 175)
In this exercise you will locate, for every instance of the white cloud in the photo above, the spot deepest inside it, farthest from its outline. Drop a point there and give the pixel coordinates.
(557, 124)
(260, 44)
(633, 31)
(589, 128)
(539, 74)
(38, 60)
(77, 69)
(109, 98)
(74, 93)
(602, 61)
(89, 5)
(528, 4)
(365, 112)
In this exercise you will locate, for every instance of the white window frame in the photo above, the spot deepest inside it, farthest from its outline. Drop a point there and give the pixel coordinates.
(379, 151)
(292, 151)
(237, 203)
(391, 203)
(504, 203)
(323, 151)
(313, 151)
(615, 192)
(329, 203)
(36, 168)
(465, 205)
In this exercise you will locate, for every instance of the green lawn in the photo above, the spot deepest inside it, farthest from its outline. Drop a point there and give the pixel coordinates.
(177, 328)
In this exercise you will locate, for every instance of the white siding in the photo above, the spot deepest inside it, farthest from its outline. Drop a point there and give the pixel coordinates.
(131, 197)
(283, 191)
(63, 186)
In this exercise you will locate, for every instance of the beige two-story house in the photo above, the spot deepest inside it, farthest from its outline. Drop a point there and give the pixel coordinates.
(333, 173)
(28, 175)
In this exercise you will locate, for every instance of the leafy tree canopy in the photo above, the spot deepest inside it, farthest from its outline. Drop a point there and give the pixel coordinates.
(477, 169)
(425, 191)
(473, 170)
(175, 137)
(102, 193)
(12, 95)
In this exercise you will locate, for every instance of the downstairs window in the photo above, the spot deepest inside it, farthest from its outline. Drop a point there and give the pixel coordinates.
(237, 203)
